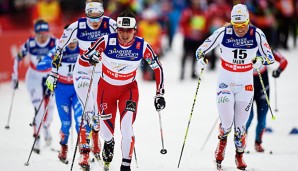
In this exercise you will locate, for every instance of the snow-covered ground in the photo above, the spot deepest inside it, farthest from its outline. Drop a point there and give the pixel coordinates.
(16, 143)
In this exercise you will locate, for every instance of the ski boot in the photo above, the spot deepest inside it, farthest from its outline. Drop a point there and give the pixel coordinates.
(240, 163)
(125, 166)
(108, 153)
(84, 163)
(220, 150)
(96, 145)
(106, 166)
(258, 146)
(36, 147)
(63, 154)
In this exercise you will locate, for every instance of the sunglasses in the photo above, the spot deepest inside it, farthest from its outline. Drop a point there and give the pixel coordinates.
(93, 19)
(127, 30)
(240, 25)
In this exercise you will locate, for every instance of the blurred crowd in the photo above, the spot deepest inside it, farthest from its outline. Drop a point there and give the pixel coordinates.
(195, 19)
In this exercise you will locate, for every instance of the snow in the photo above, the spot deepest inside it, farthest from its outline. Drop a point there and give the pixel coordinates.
(16, 142)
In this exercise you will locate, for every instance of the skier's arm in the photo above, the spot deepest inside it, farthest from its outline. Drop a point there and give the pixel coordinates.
(283, 62)
(46, 62)
(112, 25)
(20, 56)
(93, 55)
(211, 42)
(67, 37)
(155, 64)
(264, 48)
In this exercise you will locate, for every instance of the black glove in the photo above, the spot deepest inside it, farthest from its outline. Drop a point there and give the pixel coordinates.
(159, 102)
(94, 58)
(276, 72)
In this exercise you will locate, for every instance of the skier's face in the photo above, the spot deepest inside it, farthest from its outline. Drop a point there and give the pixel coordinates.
(240, 28)
(72, 45)
(42, 36)
(126, 34)
(94, 19)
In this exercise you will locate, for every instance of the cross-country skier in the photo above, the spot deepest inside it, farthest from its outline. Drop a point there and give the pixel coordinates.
(86, 31)
(260, 99)
(239, 43)
(120, 55)
(36, 48)
(65, 95)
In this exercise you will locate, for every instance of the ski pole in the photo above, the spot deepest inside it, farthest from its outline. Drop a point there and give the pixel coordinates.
(82, 119)
(264, 90)
(276, 110)
(209, 134)
(163, 150)
(193, 105)
(135, 154)
(10, 109)
(37, 133)
(36, 111)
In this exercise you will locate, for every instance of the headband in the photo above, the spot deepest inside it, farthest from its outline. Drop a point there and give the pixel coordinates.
(126, 22)
(94, 7)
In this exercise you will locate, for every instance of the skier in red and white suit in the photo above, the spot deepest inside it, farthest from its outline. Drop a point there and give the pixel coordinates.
(239, 43)
(120, 54)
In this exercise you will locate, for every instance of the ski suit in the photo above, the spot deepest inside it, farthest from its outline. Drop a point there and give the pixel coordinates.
(235, 82)
(118, 87)
(35, 80)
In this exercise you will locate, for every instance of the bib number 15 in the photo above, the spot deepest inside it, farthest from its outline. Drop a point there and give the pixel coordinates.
(240, 53)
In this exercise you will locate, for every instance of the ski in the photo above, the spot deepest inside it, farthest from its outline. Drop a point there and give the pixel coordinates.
(37, 151)
(64, 161)
(98, 160)
(85, 167)
(218, 165)
(265, 152)
(55, 150)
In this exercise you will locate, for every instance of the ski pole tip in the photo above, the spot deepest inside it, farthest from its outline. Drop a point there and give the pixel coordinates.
(273, 118)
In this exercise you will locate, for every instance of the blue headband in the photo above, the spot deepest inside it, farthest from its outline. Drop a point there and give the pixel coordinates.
(39, 27)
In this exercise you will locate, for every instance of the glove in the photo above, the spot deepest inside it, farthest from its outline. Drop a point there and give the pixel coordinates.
(159, 102)
(202, 62)
(257, 62)
(51, 81)
(14, 81)
(94, 58)
(276, 72)
(56, 63)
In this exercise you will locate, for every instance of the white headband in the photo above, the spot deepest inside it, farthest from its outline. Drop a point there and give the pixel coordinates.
(126, 22)
(94, 7)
